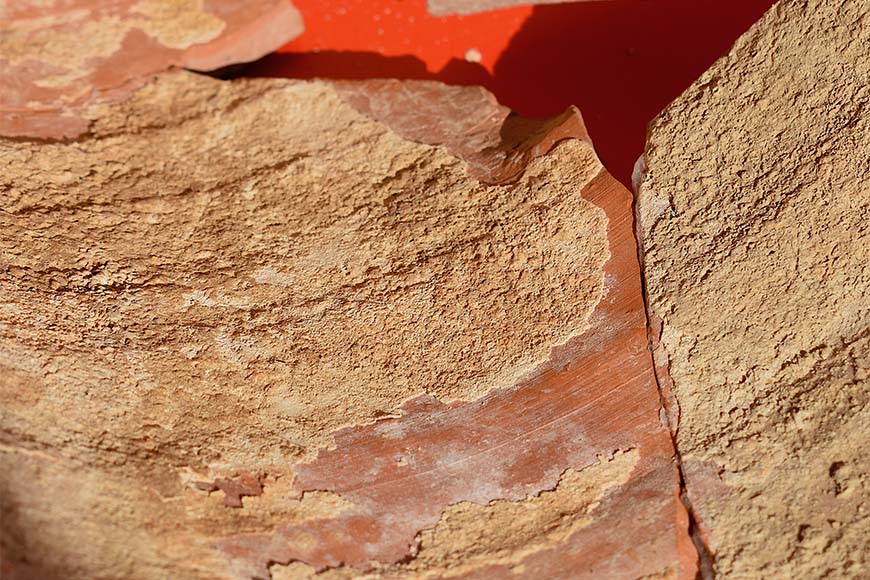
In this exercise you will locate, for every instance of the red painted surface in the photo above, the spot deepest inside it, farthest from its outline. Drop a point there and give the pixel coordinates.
(620, 61)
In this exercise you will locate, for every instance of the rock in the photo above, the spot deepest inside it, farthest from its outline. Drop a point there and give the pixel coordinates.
(283, 327)
(444, 7)
(754, 213)
(55, 60)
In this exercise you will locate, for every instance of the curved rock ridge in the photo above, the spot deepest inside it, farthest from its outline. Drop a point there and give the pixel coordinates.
(58, 58)
(271, 328)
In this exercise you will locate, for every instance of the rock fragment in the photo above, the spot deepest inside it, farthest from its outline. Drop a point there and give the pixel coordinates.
(390, 304)
(57, 59)
(755, 217)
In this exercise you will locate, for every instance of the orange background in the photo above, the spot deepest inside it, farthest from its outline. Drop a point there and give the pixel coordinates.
(620, 61)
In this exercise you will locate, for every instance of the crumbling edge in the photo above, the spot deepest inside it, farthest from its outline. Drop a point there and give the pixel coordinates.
(664, 382)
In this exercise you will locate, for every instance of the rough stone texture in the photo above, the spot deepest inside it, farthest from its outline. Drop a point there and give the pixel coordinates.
(755, 216)
(443, 7)
(57, 58)
(268, 322)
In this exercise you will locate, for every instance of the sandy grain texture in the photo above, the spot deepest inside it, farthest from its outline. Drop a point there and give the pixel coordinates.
(218, 276)
(755, 218)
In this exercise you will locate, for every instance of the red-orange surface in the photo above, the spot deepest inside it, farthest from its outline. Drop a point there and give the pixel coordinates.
(620, 61)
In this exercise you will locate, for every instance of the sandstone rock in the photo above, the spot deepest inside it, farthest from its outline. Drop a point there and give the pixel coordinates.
(284, 328)
(443, 7)
(755, 213)
(55, 60)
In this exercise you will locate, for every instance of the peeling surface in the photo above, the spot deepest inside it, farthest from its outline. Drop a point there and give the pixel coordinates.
(563, 404)
(469, 536)
(293, 293)
(56, 60)
(754, 208)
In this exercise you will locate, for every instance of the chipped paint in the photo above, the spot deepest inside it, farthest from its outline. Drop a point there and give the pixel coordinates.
(470, 536)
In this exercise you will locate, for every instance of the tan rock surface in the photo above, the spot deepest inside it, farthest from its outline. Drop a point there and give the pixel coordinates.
(284, 245)
(58, 58)
(270, 294)
(755, 217)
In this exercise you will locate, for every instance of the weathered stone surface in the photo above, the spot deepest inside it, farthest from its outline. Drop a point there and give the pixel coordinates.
(58, 58)
(342, 327)
(442, 7)
(755, 212)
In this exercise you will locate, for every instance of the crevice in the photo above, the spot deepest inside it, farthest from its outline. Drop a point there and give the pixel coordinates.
(706, 569)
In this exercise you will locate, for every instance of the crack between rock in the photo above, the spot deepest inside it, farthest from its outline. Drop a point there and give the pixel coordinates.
(706, 570)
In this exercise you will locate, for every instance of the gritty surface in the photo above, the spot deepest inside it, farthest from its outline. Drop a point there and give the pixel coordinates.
(220, 275)
(755, 213)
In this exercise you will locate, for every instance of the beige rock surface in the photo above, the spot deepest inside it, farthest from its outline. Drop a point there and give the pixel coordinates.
(508, 531)
(755, 218)
(226, 293)
(294, 263)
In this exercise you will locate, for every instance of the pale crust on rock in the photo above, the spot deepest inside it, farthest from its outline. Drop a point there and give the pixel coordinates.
(218, 276)
(755, 217)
